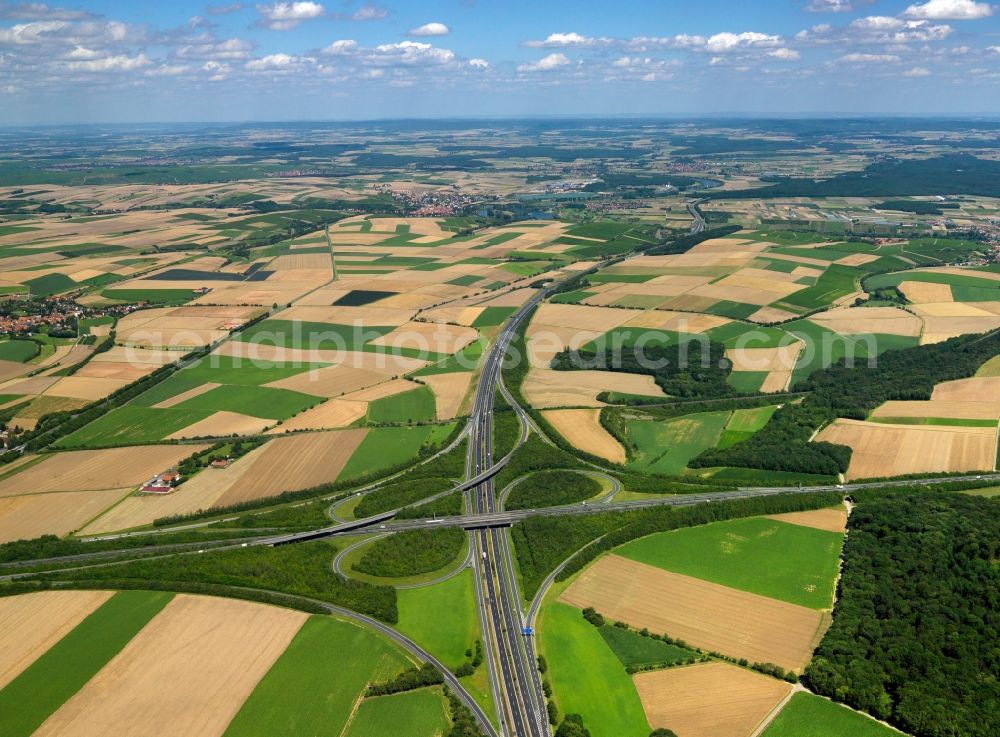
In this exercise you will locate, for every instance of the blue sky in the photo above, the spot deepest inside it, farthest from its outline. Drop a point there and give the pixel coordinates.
(104, 61)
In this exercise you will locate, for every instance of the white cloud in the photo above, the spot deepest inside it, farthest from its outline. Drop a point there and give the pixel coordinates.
(210, 48)
(343, 47)
(8, 89)
(31, 33)
(217, 70)
(830, 6)
(949, 10)
(225, 9)
(886, 29)
(857, 58)
(273, 62)
(730, 41)
(410, 53)
(40, 11)
(285, 16)
(917, 72)
(785, 54)
(167, 70)
(479, 64)
(545, 64)
(120, 63)
(566, 40)
(430, 29)
(369, 12)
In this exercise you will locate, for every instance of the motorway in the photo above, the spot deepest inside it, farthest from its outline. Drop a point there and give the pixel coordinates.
(521, 703)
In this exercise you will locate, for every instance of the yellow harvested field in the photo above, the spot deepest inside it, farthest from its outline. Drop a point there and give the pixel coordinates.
(736, 289)
(184, 396)
(126, 372)
(187, 672)
(857, 259)
(329, 381)
(83, 387)
(951, 309)
(990, 369)
(332, 414)
(713, 617)
(138, 356)
(986, 409)
(449, 391)
(546, 388)
(428, 337)
(11, 369)
(367, 315)
(782, 358)
(600, 319)
(683, 322)
(832, 519)
(728, 245)
(894, 450)
(776, 381)
(583, 430)
(44, 405)
(222, 423)
(854, 320)
(31, 515)
(32, 623)
(545, 341)
(975, 389)
(937, 329)
(111, 468)
(295, 462)
(709, 699)
(920, 292)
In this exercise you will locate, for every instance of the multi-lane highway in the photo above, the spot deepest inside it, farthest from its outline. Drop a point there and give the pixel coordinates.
(521, 703)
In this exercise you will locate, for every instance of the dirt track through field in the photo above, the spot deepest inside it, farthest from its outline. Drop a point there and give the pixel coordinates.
(32, 623)
(713, 617)
(187, 672)
(708, 699)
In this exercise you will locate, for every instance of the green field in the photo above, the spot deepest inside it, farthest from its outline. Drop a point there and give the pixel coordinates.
(586, 676)
(312, 688)
(421, 713)
(153, 296)
(384, 447)
(441, 618)
(493, 316)
(313, 335)
(744, 423)
(633, 649)
(783, 561)
(232, 370)
(18, 350)
(465, 360)
(806, 715)
(258, 401)
(128, 424)
(666, 447)
(45, 685)
(411, 406)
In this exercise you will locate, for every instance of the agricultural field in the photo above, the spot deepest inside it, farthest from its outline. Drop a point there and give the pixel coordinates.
(698, 586)
(806, 715)
(106, 648)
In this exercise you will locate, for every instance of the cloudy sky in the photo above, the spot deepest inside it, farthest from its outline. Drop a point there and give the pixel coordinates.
(105, 61)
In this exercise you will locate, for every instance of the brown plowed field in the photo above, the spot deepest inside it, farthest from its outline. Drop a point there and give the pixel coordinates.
(713, 617)
(709, 699)
(187, 672)
(32, 623)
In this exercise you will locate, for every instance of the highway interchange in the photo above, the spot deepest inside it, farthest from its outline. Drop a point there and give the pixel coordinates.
(509, 651)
